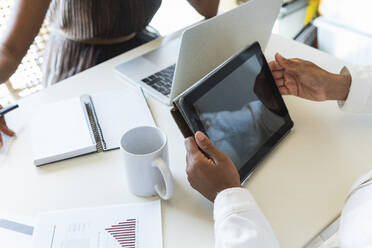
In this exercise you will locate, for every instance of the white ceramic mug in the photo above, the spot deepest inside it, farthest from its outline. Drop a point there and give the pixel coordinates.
(145, 153)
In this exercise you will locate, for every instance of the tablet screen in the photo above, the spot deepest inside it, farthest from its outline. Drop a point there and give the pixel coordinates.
(241, 113)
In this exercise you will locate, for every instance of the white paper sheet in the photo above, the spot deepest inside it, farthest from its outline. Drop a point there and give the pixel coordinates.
(121, 110)
(7, 142)
(15, 231)
(130, 226)
(59, 131)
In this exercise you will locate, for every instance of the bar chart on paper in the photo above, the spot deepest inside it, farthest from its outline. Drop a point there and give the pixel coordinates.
(124, 233)
(122, 226)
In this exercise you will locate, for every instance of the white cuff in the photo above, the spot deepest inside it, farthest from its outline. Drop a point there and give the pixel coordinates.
(231, 201)
(361, 180)
(359, 99)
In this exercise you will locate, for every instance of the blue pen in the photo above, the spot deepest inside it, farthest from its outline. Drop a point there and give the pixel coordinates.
(5, 110)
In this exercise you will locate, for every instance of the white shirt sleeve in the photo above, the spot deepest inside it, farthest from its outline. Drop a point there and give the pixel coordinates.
(356, 225)
(240, 223)
(359, 99)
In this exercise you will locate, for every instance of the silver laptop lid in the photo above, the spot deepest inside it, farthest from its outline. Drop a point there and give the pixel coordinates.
(207, 45)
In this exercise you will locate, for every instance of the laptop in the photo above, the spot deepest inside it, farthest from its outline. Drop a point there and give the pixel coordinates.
(171, 69)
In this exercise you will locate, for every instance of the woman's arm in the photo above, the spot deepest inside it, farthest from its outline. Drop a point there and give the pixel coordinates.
(207, 8)
(24, 24)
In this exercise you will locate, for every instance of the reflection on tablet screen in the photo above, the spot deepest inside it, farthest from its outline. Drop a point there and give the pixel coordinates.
(240, 114)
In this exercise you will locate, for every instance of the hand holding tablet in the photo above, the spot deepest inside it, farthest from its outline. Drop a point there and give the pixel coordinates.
(216, 173)
(239, 107)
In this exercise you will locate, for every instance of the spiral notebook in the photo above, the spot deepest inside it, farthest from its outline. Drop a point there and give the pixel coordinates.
(86, 124)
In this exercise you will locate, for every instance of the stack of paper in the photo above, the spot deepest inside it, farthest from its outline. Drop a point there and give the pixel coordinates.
(129, 226)
(16, 231)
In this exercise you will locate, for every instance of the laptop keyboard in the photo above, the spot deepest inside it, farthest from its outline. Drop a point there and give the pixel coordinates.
(162, 80)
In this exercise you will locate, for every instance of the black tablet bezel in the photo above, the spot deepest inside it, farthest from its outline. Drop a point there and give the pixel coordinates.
(185, 103)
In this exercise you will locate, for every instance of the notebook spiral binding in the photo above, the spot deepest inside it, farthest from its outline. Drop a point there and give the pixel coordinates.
(94, 127)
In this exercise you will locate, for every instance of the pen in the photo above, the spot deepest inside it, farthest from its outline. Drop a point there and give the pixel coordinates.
(5, 110)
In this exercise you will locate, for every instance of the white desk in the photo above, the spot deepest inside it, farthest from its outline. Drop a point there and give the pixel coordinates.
(300, 187)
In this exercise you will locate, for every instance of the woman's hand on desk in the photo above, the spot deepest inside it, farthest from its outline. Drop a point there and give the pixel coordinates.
(4, 129)
(211, 175)
(306, 80)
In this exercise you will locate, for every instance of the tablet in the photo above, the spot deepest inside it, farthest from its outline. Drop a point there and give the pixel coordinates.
(239, 107)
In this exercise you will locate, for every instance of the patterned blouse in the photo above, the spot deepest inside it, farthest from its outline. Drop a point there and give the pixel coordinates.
(74, 20)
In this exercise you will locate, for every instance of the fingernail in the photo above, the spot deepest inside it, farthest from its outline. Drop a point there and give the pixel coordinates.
(201, 136)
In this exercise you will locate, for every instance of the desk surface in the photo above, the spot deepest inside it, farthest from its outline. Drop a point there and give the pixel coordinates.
(300, 187)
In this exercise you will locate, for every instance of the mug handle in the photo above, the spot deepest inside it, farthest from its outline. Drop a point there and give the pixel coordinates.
(168, 179)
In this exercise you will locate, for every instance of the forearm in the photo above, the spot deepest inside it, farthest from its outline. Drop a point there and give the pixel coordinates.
(8, 64)
(338, 87)
(207, 8)
(23, 25)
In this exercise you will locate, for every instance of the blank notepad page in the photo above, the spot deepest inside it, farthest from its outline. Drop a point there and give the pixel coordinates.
(60, 131)
(121, 110)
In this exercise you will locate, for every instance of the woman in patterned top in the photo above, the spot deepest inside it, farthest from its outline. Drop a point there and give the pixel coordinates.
(84, 32)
